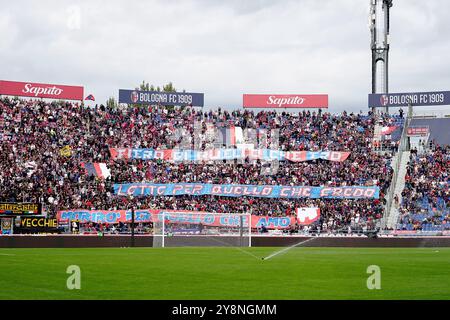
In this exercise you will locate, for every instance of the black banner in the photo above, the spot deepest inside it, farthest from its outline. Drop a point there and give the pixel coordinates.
(38, 225)
(20, 209)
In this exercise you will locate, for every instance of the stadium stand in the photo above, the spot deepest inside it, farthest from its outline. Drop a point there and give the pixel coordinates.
(389, 141)
(426, 196)
(438, 129)
(34, 168)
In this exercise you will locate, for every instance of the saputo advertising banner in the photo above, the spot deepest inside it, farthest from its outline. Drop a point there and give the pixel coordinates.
(414, 99)
(41, 90)
(161, 98)
(285, 101)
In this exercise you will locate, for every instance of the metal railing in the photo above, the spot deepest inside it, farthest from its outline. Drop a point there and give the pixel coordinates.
(430, 114)
(390, 193)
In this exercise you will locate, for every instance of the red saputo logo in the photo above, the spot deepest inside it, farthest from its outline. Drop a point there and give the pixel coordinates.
(285, 101)
(37, 91)
(297, 100)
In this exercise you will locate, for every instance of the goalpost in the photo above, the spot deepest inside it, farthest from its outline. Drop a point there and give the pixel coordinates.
(184, 229)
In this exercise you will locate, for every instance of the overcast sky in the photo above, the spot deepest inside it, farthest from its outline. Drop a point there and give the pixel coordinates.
(223, 48)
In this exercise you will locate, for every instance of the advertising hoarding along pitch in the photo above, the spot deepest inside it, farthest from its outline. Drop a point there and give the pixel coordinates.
(285, 101)
(41, 90)
(437, 98)
(161, 98)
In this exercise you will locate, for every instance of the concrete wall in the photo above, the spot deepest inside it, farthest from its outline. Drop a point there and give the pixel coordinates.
(69, 241)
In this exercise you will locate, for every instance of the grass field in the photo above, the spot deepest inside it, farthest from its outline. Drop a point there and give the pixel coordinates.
(225, 273)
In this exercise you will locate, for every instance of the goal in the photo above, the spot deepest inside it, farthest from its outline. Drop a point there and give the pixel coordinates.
(184, 229)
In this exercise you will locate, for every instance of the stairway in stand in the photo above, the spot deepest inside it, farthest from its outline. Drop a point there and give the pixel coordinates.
(399, 186)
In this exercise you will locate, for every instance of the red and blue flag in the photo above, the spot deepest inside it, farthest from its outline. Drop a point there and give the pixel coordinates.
(96, 169)
(90, 97)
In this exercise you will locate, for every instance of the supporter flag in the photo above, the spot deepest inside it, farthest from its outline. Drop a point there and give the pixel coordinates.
(388, 130)
(65, 151)
(307, 216)
(90, 97)
(231, 136)
(239, 135)
(97, 169)
(6, 226)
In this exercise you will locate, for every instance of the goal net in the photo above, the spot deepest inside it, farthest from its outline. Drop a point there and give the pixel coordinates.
(178, 229)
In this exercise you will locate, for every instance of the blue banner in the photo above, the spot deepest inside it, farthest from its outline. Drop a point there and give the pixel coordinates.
(161, 98)
(174, 216)
(234, 190)
(405, 99)
(226, 154)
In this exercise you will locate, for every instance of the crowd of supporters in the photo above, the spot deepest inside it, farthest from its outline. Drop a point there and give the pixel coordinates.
(426, 197)
(32, 168)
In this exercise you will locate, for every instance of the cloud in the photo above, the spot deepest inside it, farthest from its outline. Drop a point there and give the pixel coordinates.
(223, 48)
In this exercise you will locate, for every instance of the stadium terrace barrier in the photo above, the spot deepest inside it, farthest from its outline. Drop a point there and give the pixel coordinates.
(94, 241)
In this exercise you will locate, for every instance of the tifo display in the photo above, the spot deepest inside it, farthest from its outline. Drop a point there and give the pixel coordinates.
(142, 157)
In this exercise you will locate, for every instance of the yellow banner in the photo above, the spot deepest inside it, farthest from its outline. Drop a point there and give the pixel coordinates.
(65, 151)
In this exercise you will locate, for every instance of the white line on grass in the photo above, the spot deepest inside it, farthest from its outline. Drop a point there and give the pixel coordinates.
(286, 249)
(249, 253)
(238, 248)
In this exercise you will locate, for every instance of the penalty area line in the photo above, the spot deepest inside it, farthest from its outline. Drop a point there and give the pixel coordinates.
(285, 249)
(237, 248)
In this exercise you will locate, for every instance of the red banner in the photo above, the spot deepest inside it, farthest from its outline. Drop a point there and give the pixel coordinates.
(41, 90)
(285, 101)
(418, 131)
(182, 216)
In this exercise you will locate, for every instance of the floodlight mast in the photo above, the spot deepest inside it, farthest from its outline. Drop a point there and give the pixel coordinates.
(379, 28)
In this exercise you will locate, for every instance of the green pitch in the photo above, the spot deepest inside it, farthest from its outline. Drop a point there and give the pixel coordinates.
(225, 273)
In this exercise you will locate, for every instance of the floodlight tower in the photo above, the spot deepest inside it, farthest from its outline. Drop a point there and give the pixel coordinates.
(379, 29)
